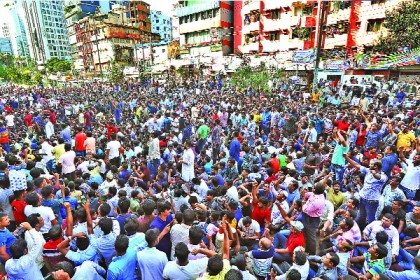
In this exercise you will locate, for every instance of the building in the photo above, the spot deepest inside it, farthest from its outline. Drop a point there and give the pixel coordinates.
(74, 11)
(162, 25)
(104, 38)
(282, 26)
(6, 45)
(205, 28)
(18, 36)
(46, 30)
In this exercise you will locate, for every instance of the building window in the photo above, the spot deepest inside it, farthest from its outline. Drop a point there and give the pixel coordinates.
(377, 2)
(275, 15)
(374, 25)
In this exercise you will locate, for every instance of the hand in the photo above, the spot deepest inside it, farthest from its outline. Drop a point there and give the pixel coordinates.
(363, 277)
(56, 176)
(26, 225)
(60, 275)
(237, 249)
(273, 274)
(394, 259)
(166, 229)
(195, 251)
(322, 233)
(66, 205)
(87, 204)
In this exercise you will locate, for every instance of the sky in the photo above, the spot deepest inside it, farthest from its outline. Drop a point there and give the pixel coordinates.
(162, 5)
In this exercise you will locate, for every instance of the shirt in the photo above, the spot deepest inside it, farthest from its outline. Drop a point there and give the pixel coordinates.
(179, 233)
(89, 271)
(373, 266)
(260, 215)
(6, 240)
(46, 213)
(123, 267)
(376, 226)
(25, 267)
(413, 274)
(314, 204)
(82, 255)
(221, 275)
(191, 271)
(151, 263)
(337, 157)
(372, 187)
(262, 260)
(165, 243)
(106, 247)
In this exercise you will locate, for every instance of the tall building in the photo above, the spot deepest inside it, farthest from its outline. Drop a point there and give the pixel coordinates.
(205, 27)
(281, 26)
(46, 30)
(162, 25)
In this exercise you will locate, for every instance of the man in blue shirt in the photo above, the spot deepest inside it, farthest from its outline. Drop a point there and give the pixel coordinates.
(152, 261)
(6, 238)
(163, 219)
(123, 266)
(235, 147)
(412, 274)
(390, 160)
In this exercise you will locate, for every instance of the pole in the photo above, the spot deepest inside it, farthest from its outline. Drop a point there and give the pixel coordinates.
(323, 7)
(97, 49)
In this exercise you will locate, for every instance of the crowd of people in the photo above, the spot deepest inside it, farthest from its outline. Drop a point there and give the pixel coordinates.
(201, 181)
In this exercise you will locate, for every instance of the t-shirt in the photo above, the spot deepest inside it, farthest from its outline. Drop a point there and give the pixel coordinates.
(202, 131)
(374, 267)
(252, 230)
(80, 140)
(67, 162)
(17, 207)
(6, 239)
(260, 215)
(46, 213)
(114, 149)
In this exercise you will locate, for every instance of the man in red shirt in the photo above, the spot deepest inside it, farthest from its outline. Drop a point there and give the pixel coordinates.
(110, 127)
(343, 124)
(283, 246)
(80, 140)
(261, 212)
(28, 121)
(53, 118)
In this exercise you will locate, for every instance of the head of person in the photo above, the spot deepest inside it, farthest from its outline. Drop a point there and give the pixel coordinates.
(378, 251)
(63, 271)
(293, 274)
(121, 244)
(182, 252)
(345, 245)
(152, 237)
(387, 220)
(330, 260)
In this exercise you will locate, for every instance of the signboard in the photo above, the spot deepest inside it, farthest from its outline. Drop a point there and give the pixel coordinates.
(306, 56)
(196, 8)
(336, 64)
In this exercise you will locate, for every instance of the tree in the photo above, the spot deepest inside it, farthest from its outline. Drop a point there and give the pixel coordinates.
(257, 78)
(116, 74)
(55, 65)
(403, 24)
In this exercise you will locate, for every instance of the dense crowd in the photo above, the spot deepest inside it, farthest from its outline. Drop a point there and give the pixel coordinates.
(201, 181)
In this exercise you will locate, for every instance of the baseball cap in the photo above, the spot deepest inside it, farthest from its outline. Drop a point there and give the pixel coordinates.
(297, 225)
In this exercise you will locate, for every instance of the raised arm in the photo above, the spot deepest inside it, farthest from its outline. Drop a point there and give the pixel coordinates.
(352, 162)
(69, 219)
(282, 212)
(88, 216)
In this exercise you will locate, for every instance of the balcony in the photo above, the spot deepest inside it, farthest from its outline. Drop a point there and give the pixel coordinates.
(253, 26)
(308, 21)
(199, 25)
(337, 41)
(375, 11)
(341, 15)
(248, 6)
(368, 38)
(252, 47)
(270, 46)
(273, 5)
(296, 44)
(276, 24)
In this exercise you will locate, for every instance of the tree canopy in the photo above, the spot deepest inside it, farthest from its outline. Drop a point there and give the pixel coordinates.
(403, 24)
(55, 65)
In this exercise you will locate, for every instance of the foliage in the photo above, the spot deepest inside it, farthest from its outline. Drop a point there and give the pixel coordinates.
(116, 74)
(19, 70)
(303, 33)
(55, 65)
(403, 24)
(247, 77)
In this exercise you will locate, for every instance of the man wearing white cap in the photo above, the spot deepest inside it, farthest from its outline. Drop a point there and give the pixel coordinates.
(283, 246)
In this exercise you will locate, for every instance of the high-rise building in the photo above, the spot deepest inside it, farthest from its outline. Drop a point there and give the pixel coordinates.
(162, 25)
(46, 30)
(205, 27)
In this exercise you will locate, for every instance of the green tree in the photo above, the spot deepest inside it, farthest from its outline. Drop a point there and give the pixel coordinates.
(257, 78)
(116, 74)
(55, 65)
(403, 24)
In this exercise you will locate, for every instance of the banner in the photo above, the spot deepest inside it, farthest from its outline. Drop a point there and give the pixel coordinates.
(380, 61)
(336, 65)
(306, 56)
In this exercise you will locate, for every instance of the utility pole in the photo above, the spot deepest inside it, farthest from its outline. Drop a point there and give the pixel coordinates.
(97, 49)
(323, 5)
